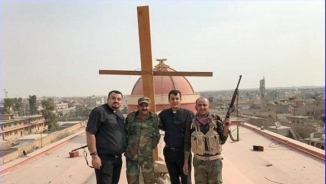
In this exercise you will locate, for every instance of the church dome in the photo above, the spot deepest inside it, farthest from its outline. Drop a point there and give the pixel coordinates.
(164, 84)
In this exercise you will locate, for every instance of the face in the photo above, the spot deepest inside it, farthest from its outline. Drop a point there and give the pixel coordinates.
(202, 106)
(114, 100)
(144, 109)
(174, 101)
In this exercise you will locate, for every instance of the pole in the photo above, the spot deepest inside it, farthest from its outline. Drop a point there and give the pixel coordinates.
(237, 103)
(41, 140)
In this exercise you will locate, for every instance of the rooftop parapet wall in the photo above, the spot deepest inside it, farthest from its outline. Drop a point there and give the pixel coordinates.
(42, 142)
(302, 147)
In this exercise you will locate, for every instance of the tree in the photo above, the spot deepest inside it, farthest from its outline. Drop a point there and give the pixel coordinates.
(60, 114)
(13, 105)
(82, 111)
(50, 117)
(26, 108)
(48, 104)
(7, 106)
(32, 105)
(18, 105)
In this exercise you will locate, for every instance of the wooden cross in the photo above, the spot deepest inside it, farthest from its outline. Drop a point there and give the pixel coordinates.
(147, 72)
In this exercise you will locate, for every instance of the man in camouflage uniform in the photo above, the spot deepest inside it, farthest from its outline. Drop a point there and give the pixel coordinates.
(205, 136)
(142, 137)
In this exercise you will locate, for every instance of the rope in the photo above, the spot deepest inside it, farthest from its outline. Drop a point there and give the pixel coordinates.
(231, 136)
(273, 181)
(84, 153)
(230, 133)
(85, 156)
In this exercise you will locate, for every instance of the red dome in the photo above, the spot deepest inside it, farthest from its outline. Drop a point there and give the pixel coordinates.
(164, 84)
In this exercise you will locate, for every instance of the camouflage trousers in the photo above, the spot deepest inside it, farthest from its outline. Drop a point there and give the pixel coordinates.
(208, 172)
(134, 168)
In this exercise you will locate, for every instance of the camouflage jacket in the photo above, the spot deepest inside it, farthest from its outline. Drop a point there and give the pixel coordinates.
(142, 136)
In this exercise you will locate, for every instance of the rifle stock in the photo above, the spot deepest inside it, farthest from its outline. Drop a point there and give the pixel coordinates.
(231, 106)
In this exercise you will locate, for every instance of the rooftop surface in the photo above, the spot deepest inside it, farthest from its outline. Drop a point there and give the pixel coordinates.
(282, 163)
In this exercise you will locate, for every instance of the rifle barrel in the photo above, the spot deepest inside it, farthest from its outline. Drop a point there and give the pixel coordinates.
(235, 93)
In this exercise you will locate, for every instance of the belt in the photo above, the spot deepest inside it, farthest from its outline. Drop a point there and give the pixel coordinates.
(174, 148)
(208, 158)
(115, 156)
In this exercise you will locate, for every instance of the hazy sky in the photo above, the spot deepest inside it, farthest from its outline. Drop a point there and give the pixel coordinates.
(56, 48)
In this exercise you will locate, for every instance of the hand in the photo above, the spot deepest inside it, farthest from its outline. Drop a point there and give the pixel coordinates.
(216, 116)
(227, 123)
(96, 162)
(185, 168)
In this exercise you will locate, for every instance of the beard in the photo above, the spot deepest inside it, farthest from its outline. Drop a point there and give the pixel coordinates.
(115, 106)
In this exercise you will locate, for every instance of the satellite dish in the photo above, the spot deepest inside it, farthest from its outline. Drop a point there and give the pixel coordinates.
(277, 124)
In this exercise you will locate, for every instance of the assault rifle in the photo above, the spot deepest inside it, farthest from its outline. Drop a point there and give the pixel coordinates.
(79, 148)
(231, 106)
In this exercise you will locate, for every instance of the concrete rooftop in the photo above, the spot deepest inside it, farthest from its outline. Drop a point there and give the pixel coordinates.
(283, 161)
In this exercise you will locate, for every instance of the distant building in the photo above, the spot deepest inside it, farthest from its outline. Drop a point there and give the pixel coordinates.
(61, 106)
(298, 119)
(12, 128)
(274, 95)
(93, 101)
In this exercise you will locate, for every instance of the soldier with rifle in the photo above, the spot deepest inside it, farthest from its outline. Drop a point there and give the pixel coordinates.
(204, 136)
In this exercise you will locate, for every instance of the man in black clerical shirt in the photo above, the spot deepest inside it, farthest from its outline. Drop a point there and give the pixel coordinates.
(173, 122)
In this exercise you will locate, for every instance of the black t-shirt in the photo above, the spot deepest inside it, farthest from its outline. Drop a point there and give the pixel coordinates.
(174, 125)
(109, 129)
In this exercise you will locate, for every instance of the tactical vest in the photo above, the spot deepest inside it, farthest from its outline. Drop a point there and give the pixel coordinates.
(201, 141)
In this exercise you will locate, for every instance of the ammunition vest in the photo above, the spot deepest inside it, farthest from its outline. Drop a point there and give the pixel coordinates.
(208, 143)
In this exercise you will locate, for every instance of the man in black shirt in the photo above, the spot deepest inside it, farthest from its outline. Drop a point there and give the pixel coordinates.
(106, 139)
(173, 122)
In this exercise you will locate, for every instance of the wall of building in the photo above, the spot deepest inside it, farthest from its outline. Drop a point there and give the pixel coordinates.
(283, 130)
(17, 128)
(53, 137)
(257, 112)
(61, 106)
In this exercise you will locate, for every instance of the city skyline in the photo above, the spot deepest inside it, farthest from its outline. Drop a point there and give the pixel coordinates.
(290, 89)
(57, 48)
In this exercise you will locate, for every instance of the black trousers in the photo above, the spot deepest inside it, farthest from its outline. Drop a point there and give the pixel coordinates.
(109, 172)
(174, 162)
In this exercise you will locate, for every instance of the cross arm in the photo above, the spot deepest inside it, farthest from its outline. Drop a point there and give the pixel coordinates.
(156, 73)
(184, 73)
(119, 72)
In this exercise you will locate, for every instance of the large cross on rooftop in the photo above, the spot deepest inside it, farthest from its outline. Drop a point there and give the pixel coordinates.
(147, 71)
